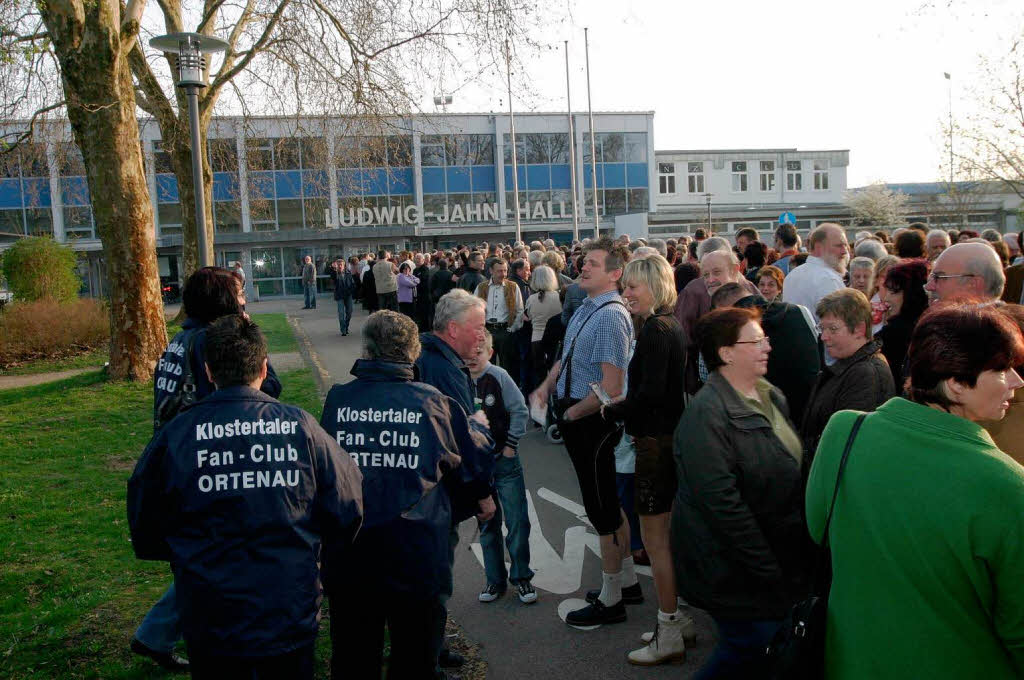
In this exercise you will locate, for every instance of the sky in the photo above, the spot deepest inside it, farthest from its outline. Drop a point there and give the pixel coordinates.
(806, 74)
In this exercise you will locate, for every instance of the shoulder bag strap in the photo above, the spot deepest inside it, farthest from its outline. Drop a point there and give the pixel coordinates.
(566, 366)
(839, 476)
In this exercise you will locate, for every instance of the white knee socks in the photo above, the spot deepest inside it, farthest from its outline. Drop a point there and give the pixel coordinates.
(611, 588)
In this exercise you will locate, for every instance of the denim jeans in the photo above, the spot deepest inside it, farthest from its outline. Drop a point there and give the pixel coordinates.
(161, 629)
(511, 500)
(739, 653)
(344, 313)
(309, 290)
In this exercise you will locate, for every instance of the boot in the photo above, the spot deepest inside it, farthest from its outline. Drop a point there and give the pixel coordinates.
(666, 646)
(689, 630)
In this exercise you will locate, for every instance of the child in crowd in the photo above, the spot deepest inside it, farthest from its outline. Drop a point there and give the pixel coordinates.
(506, 410)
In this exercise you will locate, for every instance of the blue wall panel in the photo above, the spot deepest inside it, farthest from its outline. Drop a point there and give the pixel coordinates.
(375, 182)
(74, 191)
(261, 185)
(483, 178)
(433, 180)
(10, 193)
(508, 178)
(225, 187)
(614, 175)
(289, 183)
(561, 177)
(166, 188)
(348, 183)
(587, 182)
(538, 177)
(636, 174)
(400, 181)
(37, 192)
(458, 180)
(315, 183)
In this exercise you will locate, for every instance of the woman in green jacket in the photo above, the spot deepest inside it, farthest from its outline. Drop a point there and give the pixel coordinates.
(927, 536)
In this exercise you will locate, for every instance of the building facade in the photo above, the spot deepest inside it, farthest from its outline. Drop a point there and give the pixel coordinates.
(285, 188)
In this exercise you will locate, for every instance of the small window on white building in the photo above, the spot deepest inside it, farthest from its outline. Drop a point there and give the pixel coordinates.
(821, 175)
(666, 178)
(739, 175)
(767, 175)
(794, 176)
(695, 177)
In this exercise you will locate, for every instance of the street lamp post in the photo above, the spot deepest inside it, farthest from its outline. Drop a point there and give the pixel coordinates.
(190, 49)
(707, 198)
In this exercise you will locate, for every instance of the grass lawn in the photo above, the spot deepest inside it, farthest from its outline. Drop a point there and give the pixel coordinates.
(280, 338)
(71, 590)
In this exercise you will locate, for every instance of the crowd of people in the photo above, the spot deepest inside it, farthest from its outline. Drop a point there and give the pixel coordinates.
(706, 392)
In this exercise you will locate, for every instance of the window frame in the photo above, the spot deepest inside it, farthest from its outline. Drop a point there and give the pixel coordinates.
(821, 174)
(695, 182)
(796, 174)
(768, 175)
(666, 178)
(742, 175)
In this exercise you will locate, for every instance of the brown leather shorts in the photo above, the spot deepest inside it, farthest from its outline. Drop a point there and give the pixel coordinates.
(655, 481)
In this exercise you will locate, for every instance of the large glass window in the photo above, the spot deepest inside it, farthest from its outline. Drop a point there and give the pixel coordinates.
(767, 175)
(638, 201)
(259, 153)
(78, 222)
(739, 176)
(537, 151)
(431, 150)
(520, 149)
(821, 175)
(613, 146)
(12, 221)
(636, 147)
(666, 178)
(227, 217)
(169, 216)
(794, 176)
(695, 177)
(161, 159)
(223, 154)
(456, 150)
(71, 162)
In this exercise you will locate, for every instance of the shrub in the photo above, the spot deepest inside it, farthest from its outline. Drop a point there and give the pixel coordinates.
(39, 268)
(47, 329)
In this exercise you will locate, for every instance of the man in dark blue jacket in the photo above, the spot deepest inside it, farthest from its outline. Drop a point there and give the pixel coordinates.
(406, 437)
(344, 289)
(458, 333)
(236, 492)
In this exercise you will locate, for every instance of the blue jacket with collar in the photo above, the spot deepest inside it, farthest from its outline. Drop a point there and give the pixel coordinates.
(405, 437)
(439, 366)
(236, 492)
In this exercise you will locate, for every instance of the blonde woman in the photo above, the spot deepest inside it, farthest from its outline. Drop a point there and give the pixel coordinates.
(651, 409)
(541, 306)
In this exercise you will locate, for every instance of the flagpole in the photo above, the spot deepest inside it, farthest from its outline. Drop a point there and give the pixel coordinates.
(572, 151)
(949, 80)
(512, 130)
(593, 146)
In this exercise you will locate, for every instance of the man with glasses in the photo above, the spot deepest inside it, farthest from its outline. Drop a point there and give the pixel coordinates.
(966, 271)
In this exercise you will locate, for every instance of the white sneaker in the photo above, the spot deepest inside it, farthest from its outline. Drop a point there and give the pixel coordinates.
(689, 630)
(666, 646)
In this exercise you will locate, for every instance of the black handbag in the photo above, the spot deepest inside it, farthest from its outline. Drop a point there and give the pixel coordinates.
(797, 652)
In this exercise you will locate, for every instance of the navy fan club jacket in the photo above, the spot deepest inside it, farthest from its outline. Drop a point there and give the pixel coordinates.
(236, 492)
(405, 437)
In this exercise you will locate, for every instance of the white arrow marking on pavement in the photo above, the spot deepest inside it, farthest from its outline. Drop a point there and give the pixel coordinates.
(556, 574)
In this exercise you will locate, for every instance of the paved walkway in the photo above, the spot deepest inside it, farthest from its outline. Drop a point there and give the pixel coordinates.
(517, 640)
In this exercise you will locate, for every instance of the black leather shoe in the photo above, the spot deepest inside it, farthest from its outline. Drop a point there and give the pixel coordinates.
(171, 661)
(449, 659)
(630, 595)
(596, 614)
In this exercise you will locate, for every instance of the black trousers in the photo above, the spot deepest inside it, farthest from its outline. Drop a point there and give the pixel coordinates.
(506, 352)
(415, 625)
(388, 301)
(297, 665)
(590, 442)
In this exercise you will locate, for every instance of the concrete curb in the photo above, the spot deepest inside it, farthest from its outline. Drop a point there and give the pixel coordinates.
(309, 354)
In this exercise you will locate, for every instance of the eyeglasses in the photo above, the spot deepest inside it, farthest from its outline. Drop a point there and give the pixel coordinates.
(760, 342)
(831, 329)
(935, 277)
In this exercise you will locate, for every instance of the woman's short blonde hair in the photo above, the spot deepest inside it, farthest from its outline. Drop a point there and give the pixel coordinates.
(656, 273)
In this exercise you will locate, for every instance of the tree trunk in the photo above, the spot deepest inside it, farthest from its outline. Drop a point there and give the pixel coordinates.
(101, 108)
